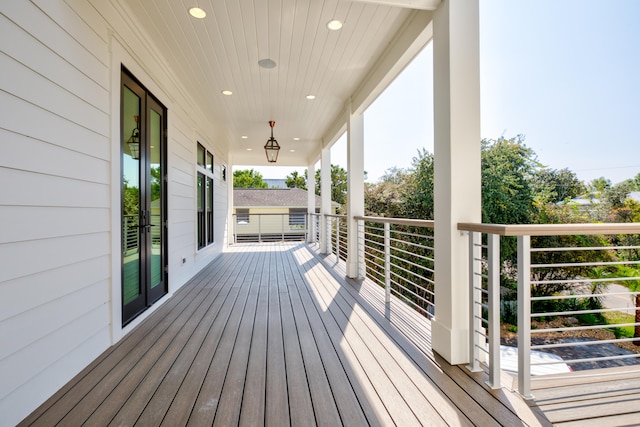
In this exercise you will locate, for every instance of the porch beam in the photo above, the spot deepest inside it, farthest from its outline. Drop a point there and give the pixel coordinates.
(457, 190)
(355, 187)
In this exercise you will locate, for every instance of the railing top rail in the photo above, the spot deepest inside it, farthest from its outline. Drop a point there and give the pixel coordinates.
(399, 221)
(551, 229)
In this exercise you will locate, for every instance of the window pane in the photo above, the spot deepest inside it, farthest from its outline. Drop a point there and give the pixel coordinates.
(242, 216)
(202, 242)
(156, 174)
(209, 162)
(297, 217)
(209, 210)
(201, 155)
(131, 195)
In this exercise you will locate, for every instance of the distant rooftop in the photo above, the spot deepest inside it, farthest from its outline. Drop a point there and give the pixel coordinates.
(286, 197)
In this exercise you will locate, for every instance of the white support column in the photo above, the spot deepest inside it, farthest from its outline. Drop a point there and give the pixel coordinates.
(230, 219)
(355, 188)
(325, 194)
(457, 191)
(311, 202)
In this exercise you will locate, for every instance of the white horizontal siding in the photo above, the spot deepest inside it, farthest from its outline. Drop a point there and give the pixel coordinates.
(24, 258)
(59, 213)
(43, 384)
(37, 56)
(42, 354)
(36, 289)
(34, 21)
(30, 120)
(50, 317)
(29, 154)
(36, 189)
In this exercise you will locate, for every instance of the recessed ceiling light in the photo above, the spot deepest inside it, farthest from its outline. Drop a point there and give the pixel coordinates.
(244, 137)
(311, 97)
(296, 139)
(196, 12)
(227, 92)
(293, 151)
(334, 25)
(267, 63)
(249, 149)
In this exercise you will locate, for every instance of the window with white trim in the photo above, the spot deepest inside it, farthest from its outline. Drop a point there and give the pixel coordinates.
(205, 178)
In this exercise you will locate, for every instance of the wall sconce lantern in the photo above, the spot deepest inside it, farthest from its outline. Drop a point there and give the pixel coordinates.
(271, 148)
(134, 140)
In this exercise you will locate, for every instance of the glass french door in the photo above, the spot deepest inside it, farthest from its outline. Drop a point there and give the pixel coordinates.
(144, 258)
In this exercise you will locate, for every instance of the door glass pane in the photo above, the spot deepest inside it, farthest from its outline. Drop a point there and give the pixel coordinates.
(202, 241)
(209, 210)
(130, 197)
(155, 167)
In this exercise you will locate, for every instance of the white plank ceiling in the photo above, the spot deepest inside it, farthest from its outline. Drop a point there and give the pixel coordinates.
(221, 52)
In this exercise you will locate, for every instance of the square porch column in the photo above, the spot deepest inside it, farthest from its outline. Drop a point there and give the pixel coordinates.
(311, 202)
(355, 188)
(231, 224)
(325, 195)
(457, 159)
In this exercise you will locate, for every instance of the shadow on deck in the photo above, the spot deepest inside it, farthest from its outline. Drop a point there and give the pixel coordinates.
(273, 334)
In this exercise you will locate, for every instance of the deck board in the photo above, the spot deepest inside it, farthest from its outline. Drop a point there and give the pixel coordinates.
(270, 334)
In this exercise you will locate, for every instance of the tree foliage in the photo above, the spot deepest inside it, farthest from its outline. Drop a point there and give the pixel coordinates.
(338, 183)
(295, 180)
(507, 189)
(248, 178)
(553, 185)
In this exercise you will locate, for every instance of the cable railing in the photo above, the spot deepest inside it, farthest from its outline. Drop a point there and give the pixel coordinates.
(269, 227)
(337, 230)
(398, 256)
(571, 292)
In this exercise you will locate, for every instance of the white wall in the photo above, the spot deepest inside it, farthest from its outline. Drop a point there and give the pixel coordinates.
(59, 187)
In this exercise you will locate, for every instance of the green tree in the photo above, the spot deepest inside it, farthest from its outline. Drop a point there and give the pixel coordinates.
(598, 185)
(507, 191)
(338, 184)
(553, 185)
(248, 178)
(419, 187)
(388, 196)
(295, 180)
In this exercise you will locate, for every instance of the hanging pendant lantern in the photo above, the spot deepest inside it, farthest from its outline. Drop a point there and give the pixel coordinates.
(271, 148)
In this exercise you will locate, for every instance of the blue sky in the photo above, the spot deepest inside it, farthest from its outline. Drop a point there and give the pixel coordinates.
(565, 74)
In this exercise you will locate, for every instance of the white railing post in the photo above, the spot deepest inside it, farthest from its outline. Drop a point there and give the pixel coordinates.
(282, 225)
(329, 235)
(337, 220)
(524, 316)
(259, 228)
(235, 232)
(387, 263)
(493, 288)
(475, 300)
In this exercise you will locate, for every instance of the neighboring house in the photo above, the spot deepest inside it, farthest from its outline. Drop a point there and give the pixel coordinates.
(267, 214)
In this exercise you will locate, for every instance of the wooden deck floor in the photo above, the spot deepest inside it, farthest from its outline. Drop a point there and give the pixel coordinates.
(268, 335)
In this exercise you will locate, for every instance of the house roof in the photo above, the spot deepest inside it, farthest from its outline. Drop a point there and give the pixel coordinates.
(286, 197)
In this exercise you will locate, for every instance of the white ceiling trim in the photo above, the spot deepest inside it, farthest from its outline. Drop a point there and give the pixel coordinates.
(410, 4)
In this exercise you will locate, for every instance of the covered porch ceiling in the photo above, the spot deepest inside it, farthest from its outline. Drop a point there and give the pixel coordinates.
(221, 52)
